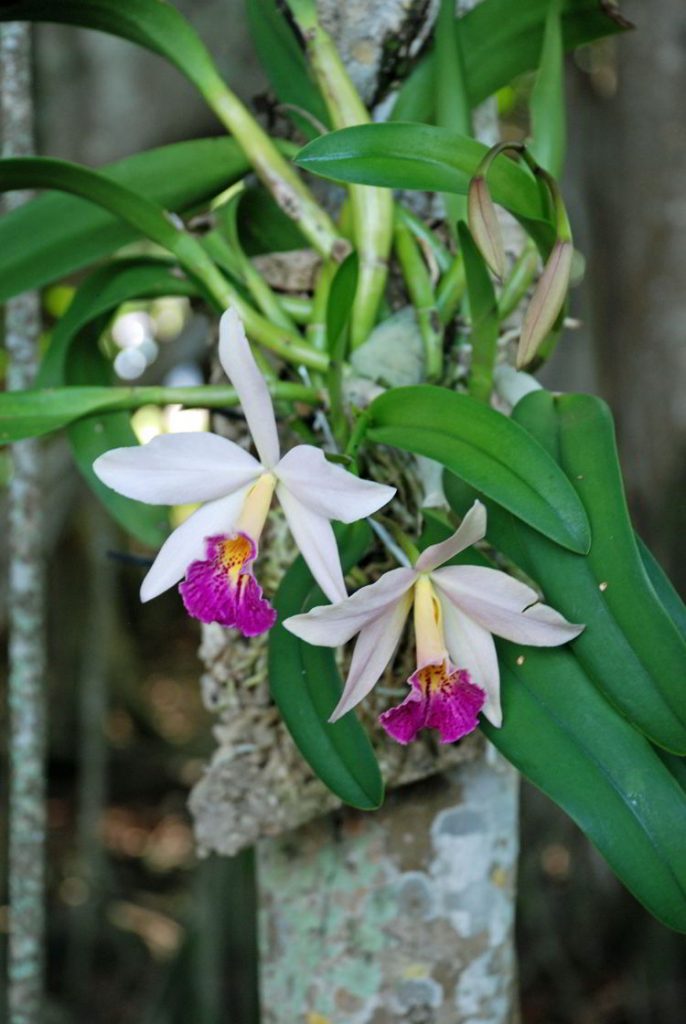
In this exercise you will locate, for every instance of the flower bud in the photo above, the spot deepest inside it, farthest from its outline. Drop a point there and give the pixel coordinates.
(484, 226)
(546, 302)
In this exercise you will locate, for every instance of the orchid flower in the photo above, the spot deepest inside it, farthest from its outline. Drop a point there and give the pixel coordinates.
(215, 547)
(456, 611)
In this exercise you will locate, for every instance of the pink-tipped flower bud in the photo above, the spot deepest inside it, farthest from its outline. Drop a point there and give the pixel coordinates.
(484, 226)
(546, 302)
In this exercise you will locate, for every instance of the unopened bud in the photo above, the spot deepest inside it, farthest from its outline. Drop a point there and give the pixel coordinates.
(546, 302)
(484, 226)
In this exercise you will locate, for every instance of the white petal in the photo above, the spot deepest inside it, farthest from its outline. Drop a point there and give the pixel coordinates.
(504, 606)
(178, 469)
(242, 370)
(487, 585)
(471, 646)
(471, 529)
(186, 543)
(374, 649)
(333, 625)
(316, 542)
(327, 489)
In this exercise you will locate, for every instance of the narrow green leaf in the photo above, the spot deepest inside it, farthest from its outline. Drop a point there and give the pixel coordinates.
(140, 213)
(671, 602)
(501, 40)
(487, 450)
(155, 25)
(283, 60)
(452, 100)
(416, 156)
(54, 235)
(483, 310)
(306, 686)
(547, 104)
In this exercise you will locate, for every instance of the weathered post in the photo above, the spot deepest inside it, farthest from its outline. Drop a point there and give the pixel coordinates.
(25, 593)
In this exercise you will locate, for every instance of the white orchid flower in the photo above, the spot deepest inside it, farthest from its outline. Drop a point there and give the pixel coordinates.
(456, 611)
(215, 547)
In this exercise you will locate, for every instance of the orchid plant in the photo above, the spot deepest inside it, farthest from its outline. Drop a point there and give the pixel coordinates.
(439, 365)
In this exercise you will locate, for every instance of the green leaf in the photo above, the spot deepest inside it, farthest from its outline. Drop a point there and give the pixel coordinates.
(142, 214)
(92, 436)
(54, 235)
(548, 112)
(560, 732)
(669, 598)
(73, 358)
(155, 25)
(416, 156)
(630, 648)
(41, 411)
(306, 686)
(486, 449)
(501, 40)
(452, 100)
(485, 323)
(105, 290)
(284, 62)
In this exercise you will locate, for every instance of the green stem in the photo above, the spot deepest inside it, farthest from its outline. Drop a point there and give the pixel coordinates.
(209, 396)
(372, 208)
(298, 307)
(427, 238)
(276, 173)
(451, 290)
(519, 280)
(316, 328)
(421, 292)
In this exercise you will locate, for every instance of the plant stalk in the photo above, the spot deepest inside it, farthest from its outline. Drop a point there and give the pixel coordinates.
(371, 208)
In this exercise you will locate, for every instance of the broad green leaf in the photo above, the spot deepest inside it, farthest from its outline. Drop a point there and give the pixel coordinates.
(155, 25)
(483, 310)
(265, 227)
(54, 235)
(502, 39)
(547, 104)
(339, 306)
(284, 62)
(560, 732)
(306, 686)
(417, 156)
(487, 450)
(630, 649)
(566, 739)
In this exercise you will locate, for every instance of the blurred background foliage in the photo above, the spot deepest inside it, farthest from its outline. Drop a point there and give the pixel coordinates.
(140, 931)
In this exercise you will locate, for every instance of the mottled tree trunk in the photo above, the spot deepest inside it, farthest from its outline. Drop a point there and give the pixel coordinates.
(26, 696)
(402, 915)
